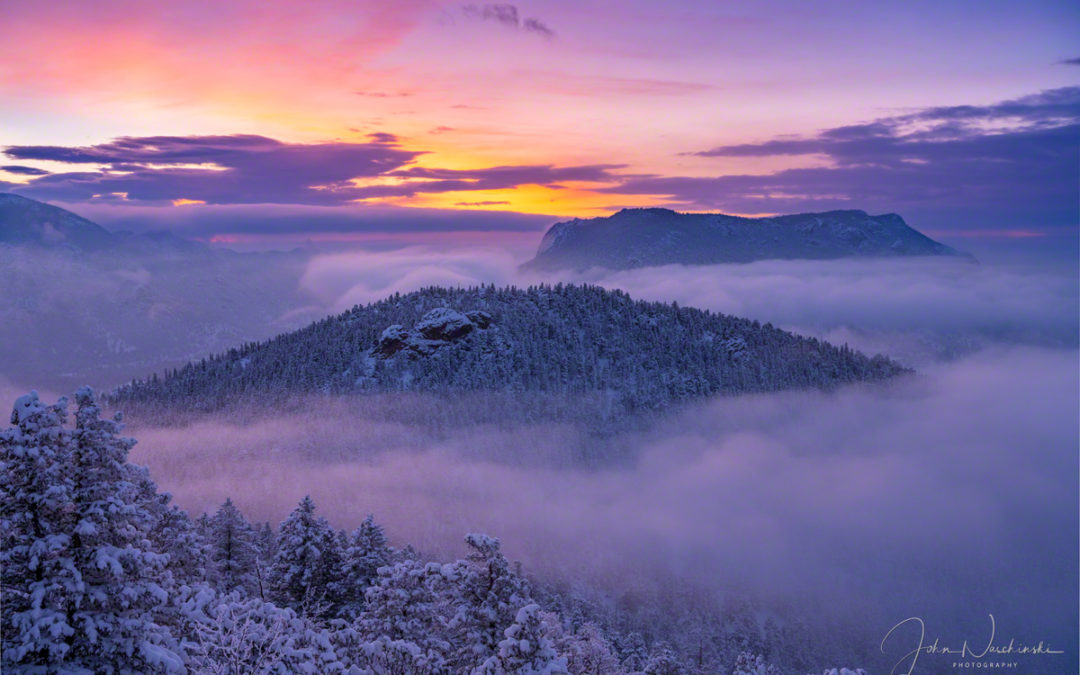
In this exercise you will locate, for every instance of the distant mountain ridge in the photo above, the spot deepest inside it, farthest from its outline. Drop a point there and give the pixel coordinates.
(27, 222)
(616, 354)
(83, 304)
(654, 236)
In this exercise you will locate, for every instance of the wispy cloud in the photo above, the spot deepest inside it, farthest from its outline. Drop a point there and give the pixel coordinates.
(508, 16)
(1014, 159)
(24, 170)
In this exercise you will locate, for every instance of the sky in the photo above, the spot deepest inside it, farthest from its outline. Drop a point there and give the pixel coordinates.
(242, 121)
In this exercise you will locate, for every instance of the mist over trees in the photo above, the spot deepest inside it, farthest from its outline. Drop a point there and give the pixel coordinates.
(615, 355)
(101, 574)
(167, 299)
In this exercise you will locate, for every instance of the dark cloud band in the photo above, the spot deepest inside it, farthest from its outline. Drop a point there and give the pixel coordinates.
(245, 169)
(1011, 162)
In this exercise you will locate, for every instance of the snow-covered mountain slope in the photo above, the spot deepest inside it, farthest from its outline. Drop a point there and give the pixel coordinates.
(26, 221)
(648, 237)
(80, 304)
(571, 341)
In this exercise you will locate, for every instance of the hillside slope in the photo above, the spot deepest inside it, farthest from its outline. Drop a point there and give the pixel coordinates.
(621, 354)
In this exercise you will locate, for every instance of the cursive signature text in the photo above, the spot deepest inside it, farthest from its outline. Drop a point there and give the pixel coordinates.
(964, 651)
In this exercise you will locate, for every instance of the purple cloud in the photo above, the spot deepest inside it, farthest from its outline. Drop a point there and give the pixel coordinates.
(216, 169)
(507, 15)
(246, 169)
(1009, 163)
(537, 26)
(24, 170)
(930, 134)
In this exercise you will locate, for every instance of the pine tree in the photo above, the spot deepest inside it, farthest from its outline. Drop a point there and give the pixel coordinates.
(233, 636)
(365, 552)
(173, 533)
(35, 504)
(93, 583)
(488, 595)
(753, 664)
(233, 552)
(663, 661)
(303, 575)
(586, 650)
(526, 649)
(404, 604)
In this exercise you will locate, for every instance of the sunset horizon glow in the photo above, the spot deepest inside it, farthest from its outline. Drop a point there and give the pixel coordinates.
(548, 108)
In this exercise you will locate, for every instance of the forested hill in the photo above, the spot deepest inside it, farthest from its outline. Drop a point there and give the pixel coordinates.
(585, 341)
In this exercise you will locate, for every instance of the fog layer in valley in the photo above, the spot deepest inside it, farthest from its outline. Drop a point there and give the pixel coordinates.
(948, 495)
(917, 310)
(70, 319)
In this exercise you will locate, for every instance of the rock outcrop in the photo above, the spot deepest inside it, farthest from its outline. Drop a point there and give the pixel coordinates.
(438, 328)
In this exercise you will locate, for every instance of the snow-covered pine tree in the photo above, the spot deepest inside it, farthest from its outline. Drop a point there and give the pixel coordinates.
(526, 649)
(634, 652)
(406, 604)
(366, 551)
(234, 635)
(748, 663)
(303, 575)
(93, 583)
(663, 661)
(174, 533)
(488, 596)
(384, 656)
(233, 552)
(586, 650)
(35, 500)
(266, 542)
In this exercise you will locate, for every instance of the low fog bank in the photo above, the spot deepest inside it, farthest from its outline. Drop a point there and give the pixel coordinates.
(68, 320)
(918, 310)
(949, 495)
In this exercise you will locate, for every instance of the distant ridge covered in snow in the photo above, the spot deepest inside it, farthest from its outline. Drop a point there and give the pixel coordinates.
(654, 236)
(28, 222)
(81, 303)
